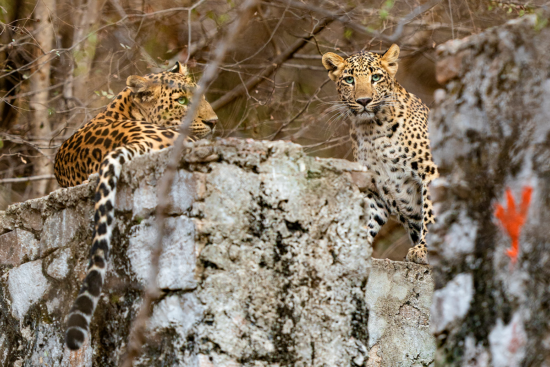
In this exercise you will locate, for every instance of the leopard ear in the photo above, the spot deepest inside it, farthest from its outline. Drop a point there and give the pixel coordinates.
(389, 59)
(179, 68)
(334, 64)
(137, 84)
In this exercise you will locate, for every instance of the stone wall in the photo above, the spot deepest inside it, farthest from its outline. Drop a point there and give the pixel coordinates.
(265, 264)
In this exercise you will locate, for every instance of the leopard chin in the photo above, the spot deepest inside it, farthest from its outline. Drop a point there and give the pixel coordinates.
(365, 117)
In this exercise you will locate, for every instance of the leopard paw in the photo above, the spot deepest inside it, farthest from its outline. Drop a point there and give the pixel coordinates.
(418, 254)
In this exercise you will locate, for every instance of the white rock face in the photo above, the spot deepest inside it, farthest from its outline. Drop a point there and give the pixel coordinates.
(18, 246)
(490, 137)
(179, 312)
(59, 229)
(145, 200)
(451, 303)
(27, 285)
(460, 239)
(59, 268)
(177, 261)
(181, 196)
(507, 342)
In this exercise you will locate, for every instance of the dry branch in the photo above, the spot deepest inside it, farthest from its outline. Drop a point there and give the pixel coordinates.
(26, 179)
(301, 111)
(137, 336)
(276, 63)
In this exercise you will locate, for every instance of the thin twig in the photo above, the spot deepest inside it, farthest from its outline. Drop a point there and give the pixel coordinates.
(276, 63)
(189, 28)
(301, 111)
(18, 140)
(334, 15)
(137, 335)
(409, 17)
(26, 179)
(122, 13)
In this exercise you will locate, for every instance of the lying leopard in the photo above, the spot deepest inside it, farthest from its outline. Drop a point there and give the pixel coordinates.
(144, 117)
(389, 134)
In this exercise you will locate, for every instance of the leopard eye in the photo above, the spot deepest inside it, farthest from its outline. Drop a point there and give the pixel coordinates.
(376, 77)
(349, 79)
(183, 100)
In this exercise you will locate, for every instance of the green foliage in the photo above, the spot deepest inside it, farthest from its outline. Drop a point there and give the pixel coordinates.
(541, 22)
(510, 9)
(87, 52)
(348, 33)
(386, 8)
(219, 19)
(5, 8)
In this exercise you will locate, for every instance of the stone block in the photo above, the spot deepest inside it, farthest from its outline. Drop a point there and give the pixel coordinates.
(177, 261)
(26, 285)
(17, 247)
(59, 267)
(59, 229)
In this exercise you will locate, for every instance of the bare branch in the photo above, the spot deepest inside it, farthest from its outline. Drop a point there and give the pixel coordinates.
(276, 63)
(137, 336)
(301, 111)
(26, 179)
(409, 17)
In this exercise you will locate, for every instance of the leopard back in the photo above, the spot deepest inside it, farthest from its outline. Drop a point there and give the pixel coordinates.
(149, 111)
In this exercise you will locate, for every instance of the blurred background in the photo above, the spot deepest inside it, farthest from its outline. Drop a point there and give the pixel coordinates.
(62, 61)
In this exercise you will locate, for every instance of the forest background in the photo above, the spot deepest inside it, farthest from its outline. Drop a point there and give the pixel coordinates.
(62, 61)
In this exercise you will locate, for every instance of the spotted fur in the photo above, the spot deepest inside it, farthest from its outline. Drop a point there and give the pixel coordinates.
(144, 117)
(389, 134)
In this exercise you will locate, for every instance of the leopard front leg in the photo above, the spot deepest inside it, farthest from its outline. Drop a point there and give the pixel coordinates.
(419, 253)
(377, 214)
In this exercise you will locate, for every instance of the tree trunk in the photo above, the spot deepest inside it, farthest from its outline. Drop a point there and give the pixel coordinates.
(44, 12)
(490, 133)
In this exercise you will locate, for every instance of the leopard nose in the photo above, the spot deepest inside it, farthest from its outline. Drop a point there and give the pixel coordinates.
(363, 101)
(210, 123)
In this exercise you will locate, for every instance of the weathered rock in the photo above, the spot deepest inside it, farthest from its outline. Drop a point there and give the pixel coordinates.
(398, 298)
(18, 246)
(265, 263)
(491, 132)
(26, 285)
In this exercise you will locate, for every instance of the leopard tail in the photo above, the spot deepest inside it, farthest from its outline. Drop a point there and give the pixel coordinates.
(80, 315)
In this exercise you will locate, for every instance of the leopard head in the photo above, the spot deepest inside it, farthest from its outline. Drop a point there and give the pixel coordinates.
(163, 99)
(365, 81)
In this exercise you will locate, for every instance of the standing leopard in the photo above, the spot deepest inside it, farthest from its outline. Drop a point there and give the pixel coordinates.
(144, 117)
(389, 133)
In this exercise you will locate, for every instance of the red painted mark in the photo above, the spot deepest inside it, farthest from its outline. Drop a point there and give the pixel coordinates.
(512, 221)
